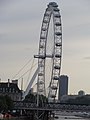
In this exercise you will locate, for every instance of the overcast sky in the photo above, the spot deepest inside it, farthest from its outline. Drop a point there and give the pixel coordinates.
(20, 23)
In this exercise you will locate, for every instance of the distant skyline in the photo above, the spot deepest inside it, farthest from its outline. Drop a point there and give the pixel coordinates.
(20, 23)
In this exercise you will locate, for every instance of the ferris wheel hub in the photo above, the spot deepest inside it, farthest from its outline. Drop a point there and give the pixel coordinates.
(43, 56)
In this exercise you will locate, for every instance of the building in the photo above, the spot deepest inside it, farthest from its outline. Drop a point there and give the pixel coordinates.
(65, 98)
(15, 82)
(81, 93)
(63, 86)
(10, 89)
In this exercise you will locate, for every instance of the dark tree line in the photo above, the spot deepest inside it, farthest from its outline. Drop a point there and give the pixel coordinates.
(80, 100)
(5, 103)
(33, 98)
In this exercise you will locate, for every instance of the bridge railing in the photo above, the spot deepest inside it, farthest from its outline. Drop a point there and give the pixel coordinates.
(49, 106)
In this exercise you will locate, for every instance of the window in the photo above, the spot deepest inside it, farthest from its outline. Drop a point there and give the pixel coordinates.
(3, 89)
(13, 90)
(10, 90)
(6, 89)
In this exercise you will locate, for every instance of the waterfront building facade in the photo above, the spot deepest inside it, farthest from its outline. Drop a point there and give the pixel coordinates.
(10, 89)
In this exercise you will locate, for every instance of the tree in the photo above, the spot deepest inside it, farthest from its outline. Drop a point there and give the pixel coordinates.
(9, 102)
(33, 98)
(30, 98)
(80, 100)
(5, 103)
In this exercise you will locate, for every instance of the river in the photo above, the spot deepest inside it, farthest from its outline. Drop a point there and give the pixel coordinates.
(70, 116)
(62, 116)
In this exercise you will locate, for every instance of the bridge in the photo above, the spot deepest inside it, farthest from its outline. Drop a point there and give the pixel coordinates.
(51, 106)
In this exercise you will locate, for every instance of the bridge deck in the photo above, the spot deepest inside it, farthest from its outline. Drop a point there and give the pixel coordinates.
(51, 107)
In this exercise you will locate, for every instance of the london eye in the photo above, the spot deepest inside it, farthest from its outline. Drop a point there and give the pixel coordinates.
(52, 12)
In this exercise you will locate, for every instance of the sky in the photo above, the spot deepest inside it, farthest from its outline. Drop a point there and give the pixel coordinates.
(20, 24)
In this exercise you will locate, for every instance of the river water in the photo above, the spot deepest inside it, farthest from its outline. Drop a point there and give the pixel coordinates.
(69, 116)
(60, 116)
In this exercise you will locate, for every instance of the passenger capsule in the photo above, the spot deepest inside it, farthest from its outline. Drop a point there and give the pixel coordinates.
(53, 4)
(41, 82)
(40, 74)
(57, 67)
(56, 9)
(58, 44)
(58, 24)
(42, 37)
(57, 16)
(52, 96)
(54, 87)
(45, 21)
(46, 14)
(57, 55)
(58, 33)
(44, 29)
(56, 78)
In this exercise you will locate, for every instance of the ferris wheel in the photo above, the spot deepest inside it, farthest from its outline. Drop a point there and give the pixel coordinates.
(52, 11)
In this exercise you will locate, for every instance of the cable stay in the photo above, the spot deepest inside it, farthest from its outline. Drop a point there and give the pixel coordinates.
(26, 72)
(22, 68)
